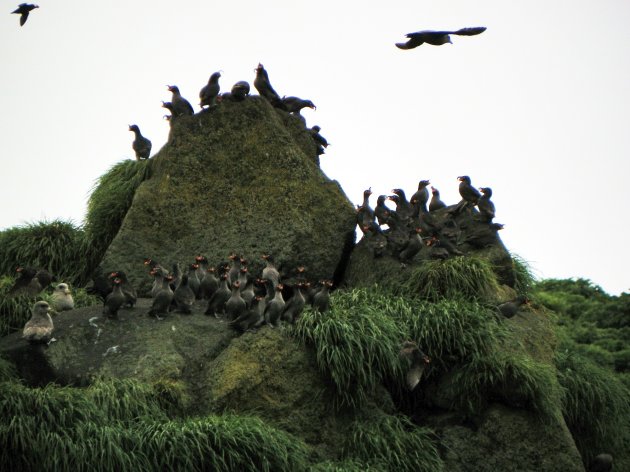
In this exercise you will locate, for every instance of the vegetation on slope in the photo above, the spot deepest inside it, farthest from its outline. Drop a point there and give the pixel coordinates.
(56, 246)
(592, 359)
(120, 425)
(108, 204)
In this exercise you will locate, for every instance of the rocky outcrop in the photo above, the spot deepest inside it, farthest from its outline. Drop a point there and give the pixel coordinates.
(240, 177)
(376, 260)
(509, 440)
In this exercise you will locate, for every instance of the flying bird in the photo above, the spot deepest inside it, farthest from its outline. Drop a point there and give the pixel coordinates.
(437, 38)
(23, 10)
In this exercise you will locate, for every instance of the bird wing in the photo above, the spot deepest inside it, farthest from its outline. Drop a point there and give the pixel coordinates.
(23, 18)
(469, 31)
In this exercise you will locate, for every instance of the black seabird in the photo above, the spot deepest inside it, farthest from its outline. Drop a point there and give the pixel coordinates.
(436, 38)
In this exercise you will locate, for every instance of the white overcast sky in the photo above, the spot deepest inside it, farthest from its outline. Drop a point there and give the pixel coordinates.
(537, 107)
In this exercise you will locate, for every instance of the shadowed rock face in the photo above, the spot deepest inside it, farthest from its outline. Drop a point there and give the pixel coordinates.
(240, 177)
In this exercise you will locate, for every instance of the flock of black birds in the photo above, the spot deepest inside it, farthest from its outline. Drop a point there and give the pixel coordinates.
(210, 97)
(414, 226)
(228, 289)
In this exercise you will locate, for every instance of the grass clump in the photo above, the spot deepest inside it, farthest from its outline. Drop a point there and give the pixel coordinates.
(53, 245)
(223, 443)
(356, 342)
(515, 378)
(348, 465)
(453, 329)
(121, 425)
(463, 278)
(14, 311)
(395, 443)
(108, 204)
(524, 280)
(7, 370)
(596, 407)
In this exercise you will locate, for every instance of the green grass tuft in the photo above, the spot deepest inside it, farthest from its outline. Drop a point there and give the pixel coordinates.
(467, 278)
(524, 280)
(356, 342)
(452, 331)
(596, 407)
(108, 204)
(120, 425)
(14, 311)
(515, 378)
(7, 370)
(395, 443)
(56, 246)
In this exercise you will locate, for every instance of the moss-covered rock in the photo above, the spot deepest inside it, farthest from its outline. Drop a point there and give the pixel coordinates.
(509, 440)
(135, 346)
(240, 177)
(466, 232)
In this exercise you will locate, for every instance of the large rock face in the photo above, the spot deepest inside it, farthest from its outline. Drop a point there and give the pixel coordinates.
(241, 177)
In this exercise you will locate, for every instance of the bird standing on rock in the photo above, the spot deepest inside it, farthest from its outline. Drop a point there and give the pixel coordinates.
(40, 327)
(180, 106)
(418, 362)
(262, 84)
(436, 203)
(468, 193)
(184, 296)
(319, 139)
(240, 90)
(140, 145)
(216, 305)
(486, 207)
(209, 93)
(436, 38)
(114, 300)
(235, 306)
(162, 300)
(321, 300)
(420, 198)
(62, 298)
(23, 10)
(293, 308)
(274, 307)
(130, 293)
(270, 272)
(295, 104)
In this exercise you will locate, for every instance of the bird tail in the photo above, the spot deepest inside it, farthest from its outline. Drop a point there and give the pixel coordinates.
(403, 46)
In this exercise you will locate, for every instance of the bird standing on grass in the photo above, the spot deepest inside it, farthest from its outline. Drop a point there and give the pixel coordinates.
(509, 309)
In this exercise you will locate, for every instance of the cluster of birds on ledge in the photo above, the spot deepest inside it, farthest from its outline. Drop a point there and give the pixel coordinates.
(230, 292)
(210, 97)
(413, 225)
